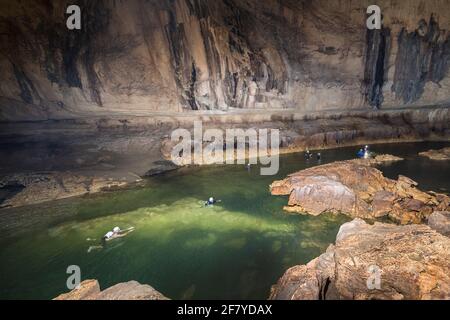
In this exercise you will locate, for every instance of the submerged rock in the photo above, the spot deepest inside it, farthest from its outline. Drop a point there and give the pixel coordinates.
(132, 290)
(442, 154)
(413, 262)
(160, 167)
(357, 189)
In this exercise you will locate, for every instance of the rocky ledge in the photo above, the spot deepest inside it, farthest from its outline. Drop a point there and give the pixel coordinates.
(442, 154)
(132, 290)
(31, 188)
(357, 189)
(413, 262)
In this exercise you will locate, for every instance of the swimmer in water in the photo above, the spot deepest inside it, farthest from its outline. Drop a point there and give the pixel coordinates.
(111, 235)
(308, 154)
(211, 201)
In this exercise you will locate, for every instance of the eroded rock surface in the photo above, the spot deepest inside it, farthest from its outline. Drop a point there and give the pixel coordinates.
(440, 221)
(357, 189)
(442, 154)
(413, 263)
(132, 290)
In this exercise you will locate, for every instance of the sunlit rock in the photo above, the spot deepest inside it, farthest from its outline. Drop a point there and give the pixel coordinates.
(132, 290)
(357, 189)
(380, 261)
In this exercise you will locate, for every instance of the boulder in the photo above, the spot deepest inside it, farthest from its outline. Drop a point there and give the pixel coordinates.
(132, 290)
(357, 189)
(160, 167)
(380, 261)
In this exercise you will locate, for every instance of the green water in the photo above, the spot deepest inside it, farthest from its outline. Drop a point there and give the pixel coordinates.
(235, 250)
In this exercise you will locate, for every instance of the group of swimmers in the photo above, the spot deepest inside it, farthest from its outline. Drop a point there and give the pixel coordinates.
(309, 155)
(118, 233)
(364, 153)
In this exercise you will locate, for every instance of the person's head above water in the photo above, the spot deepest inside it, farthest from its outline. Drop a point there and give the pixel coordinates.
(211, 199)
(116, 229)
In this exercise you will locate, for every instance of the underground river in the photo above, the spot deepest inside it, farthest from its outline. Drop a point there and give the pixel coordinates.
(234, 250)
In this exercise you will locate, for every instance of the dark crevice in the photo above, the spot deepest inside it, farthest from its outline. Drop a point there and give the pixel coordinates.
(378, 45)
(26, 86)
(191, 94)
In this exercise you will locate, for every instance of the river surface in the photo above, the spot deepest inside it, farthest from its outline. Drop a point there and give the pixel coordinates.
(234, 250)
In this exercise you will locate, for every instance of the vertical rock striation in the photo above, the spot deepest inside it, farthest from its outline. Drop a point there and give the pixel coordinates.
(181, 55)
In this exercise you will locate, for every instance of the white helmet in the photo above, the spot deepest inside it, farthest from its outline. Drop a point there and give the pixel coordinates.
(211, 199)
(116, 229)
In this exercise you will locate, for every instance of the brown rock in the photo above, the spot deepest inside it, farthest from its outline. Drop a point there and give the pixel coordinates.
(87, 290)
(440, 221)
(132, 290)
(382, 203)
(356, 189)
(441, 155)
(48, 186)
(412, 261)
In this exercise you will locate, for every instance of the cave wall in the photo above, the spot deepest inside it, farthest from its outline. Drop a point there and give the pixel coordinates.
(139, 56)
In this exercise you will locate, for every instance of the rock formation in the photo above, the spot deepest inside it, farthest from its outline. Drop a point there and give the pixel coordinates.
(132, 290)
(180, 55)
(32, 188)
(356, 189)
(440, 221)
(413, 263)
(442, 154)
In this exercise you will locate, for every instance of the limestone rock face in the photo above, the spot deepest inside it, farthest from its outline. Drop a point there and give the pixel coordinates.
(175, 55)
(132, 290)
(356, 189)
(413, 262)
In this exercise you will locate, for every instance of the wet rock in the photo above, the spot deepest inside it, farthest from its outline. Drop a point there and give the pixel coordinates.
(41, 187)
(442, 154)
(357, 189)
(161, 166)
(440, 221)
(132, 290)
(412, 262)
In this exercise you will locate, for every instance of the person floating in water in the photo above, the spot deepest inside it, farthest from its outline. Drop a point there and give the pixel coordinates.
(360, 153)
(319, 157)
(308, 154)
(111, 235)
(211, 201)
(117, 233)
(366, 152)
